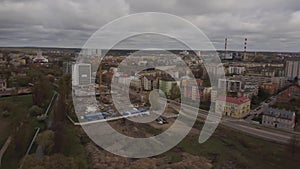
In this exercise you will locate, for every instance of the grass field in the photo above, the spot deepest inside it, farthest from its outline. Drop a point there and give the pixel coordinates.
(19, 106)
(227, 148)
(230, 148)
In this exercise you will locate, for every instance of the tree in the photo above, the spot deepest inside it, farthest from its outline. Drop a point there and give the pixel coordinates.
(21, 140)
(35, 110)
(41, 91)
(46, 140)
(59, 161)
(175, 92)
(31, 161)
(22, 81)
(263, 94)
(56, 161)
(153, 100)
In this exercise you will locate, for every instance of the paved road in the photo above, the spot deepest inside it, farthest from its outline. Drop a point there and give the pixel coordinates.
(244, 126)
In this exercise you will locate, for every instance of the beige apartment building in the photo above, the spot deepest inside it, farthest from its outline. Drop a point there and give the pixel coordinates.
(236, 107)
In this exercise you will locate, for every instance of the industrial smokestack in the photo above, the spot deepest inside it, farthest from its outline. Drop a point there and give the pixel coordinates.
(245, 48)
(225, 44)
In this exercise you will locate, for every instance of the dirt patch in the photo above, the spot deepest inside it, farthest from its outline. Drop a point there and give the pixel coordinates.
(102, 159)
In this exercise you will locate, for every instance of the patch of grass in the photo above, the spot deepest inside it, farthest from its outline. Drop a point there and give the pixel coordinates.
(149, 129)
(228, 145)
(18, 106)
(19, 114)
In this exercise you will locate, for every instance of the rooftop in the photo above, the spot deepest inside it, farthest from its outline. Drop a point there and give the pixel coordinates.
(283, 114)
(235, 100)
(293, 59)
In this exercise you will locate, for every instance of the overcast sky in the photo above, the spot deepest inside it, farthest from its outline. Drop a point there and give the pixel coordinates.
(269, 25)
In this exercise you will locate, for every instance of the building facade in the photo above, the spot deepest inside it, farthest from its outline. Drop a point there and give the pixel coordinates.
(193, 89)
(3, 85)
(233, 106)
(237, 70)
(293, 92)
(271, 88)
(232, 86)
(149, 83)
(81, 74)
(292, 68)
(277, 118)
(166, 86)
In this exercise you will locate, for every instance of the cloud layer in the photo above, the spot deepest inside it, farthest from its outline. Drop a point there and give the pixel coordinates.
(268, 25)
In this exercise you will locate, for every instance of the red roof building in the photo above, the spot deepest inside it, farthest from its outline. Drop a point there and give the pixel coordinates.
(236, 107)
(235, 100)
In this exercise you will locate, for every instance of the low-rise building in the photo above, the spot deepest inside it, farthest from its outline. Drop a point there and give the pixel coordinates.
(236, 107)
(3, 85)
(124, 79)
(293, 92)
(232, 86)
(237, 70)
(271, 88)
(250, 89)
(192, 89)
(214, 95)
(166, 86)
(277, 118)
(205, 94)
(136, 84)
(149, 83)
(281, 81)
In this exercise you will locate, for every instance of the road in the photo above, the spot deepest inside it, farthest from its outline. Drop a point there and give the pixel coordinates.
(243, 126)
(263, 106)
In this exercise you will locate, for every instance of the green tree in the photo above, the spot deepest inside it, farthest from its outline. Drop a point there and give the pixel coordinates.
(56, 161)
(263, 94)
(46, 140)
(153, 100)
(175, 92)
(31, 161)
(35, 110)
(42, 91)
(59, 161)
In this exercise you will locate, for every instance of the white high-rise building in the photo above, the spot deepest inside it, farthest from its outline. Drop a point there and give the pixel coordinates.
(292, 68)
(81, 74)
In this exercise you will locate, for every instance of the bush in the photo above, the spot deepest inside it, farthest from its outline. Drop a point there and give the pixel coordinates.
(5, 114)
(35, 110)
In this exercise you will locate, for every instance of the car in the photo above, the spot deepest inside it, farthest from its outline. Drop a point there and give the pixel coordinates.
(160, 122)
(164, 121)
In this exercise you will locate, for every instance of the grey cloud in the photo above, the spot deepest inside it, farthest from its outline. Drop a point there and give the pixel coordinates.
(269, 25)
